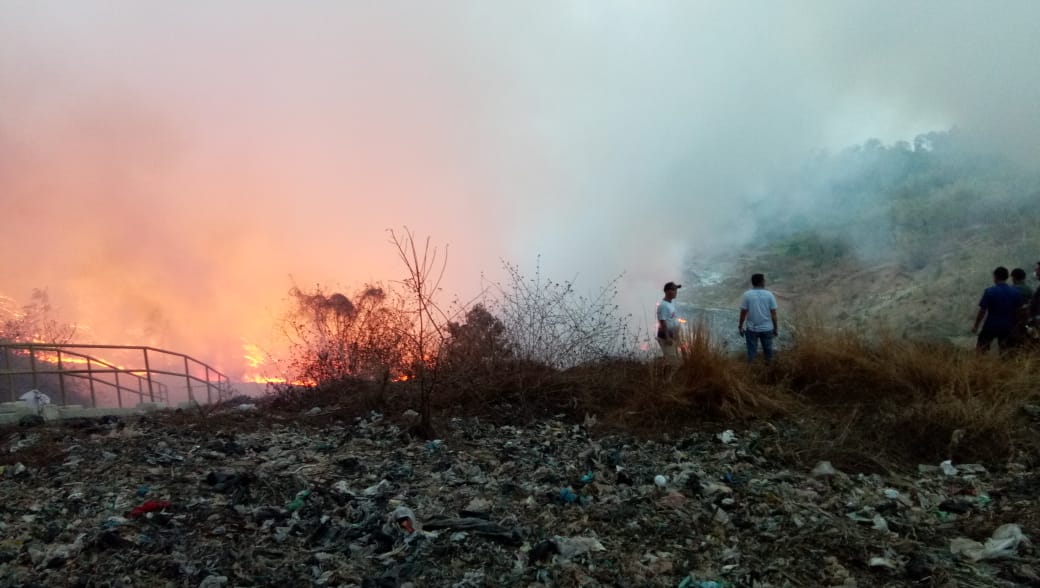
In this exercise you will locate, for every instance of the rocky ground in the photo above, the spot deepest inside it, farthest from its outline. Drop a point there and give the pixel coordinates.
(245, 497)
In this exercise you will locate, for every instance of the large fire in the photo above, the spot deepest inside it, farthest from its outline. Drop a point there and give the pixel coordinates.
(260, 364)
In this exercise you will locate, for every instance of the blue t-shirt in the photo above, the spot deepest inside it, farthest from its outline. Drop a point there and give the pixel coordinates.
(1001, 302)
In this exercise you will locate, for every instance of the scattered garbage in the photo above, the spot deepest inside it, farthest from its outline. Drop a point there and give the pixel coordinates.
(405, 519)
(1002, 544)
(882, 562)
(568, 495)
(956, 506)
(298, 501)
(215, 501)
(149, 506)
(571, 547)
(824, 469)
(689, 582)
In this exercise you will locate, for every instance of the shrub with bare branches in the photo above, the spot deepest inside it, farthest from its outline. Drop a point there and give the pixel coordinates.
(550, 323)
(427, 322)
(333, 337)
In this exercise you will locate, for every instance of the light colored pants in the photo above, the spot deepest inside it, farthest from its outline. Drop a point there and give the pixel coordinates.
(670, 349)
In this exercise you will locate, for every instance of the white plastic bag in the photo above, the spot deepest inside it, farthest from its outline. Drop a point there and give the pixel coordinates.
(35, 400)
(1003, 543)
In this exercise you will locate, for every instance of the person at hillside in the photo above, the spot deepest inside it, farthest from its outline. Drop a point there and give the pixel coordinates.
(1034, 303)
(999, 307)
(1020, 333)
(758, 310)
(668, 325)
(1018, 282)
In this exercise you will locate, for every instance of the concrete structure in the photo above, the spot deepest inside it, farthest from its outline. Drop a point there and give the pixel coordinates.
(12, 412)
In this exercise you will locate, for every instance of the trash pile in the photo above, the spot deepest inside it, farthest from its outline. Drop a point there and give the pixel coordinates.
(244, 498)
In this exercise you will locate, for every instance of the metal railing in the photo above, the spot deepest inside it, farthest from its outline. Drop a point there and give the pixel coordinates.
(148, 373)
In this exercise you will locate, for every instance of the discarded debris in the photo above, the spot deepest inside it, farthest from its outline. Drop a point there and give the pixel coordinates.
(1003, 543)
(216, 501)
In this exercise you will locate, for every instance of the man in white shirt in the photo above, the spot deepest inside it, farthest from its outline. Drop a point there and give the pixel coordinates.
(758, 309)
(668, 325)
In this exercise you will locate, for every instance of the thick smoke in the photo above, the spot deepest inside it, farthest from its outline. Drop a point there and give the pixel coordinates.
(164, 168)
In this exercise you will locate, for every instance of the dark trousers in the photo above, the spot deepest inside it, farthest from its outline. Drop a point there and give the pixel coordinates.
(752, 338)
(988, 335)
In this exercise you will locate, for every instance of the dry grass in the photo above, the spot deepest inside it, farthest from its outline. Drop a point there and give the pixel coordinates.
(888, 400)
(864, 403)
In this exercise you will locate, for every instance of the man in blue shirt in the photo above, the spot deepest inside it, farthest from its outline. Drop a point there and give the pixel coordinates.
(999, 306)
(758, 308)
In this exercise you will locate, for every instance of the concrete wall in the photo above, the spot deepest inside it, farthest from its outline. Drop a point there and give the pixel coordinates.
(12, 412)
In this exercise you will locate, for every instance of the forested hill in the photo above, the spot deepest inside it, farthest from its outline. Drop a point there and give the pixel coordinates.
(901, 236)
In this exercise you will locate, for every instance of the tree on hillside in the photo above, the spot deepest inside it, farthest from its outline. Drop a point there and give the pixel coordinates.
(476, 345)
(35, 322)
(333, 337)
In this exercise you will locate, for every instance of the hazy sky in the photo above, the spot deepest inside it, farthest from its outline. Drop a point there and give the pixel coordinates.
(165, 167)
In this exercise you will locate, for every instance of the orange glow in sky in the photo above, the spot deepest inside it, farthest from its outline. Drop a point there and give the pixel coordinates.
(169, 171)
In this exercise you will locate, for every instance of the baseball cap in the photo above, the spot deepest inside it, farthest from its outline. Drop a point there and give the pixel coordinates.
(672, 286)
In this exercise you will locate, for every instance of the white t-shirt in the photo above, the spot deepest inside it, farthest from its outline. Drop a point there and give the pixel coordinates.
(666, 313)
(758, 302)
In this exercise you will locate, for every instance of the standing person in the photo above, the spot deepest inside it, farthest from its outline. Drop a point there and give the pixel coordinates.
(1019, 333)
(668, 325)
(1034, 302)
(1018, 282)
(999, 306)
(758, 308)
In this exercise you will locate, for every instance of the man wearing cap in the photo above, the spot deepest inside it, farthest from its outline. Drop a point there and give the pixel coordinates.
(758, 309)
(668, 325)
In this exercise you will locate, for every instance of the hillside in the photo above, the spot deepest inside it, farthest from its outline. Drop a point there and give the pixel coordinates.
(901, 238)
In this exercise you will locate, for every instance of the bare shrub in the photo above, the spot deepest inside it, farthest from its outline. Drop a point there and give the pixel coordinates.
(426, 323)
(333, 337)
(549, 323)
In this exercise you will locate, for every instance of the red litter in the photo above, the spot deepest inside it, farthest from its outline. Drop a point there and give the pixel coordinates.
(150, 506)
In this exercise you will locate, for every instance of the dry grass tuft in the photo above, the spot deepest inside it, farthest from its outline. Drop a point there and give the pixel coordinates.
(897, 400)
(866, 403)
(715, 383)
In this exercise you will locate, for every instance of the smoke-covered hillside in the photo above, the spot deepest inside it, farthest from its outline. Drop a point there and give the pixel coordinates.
(900, 236)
